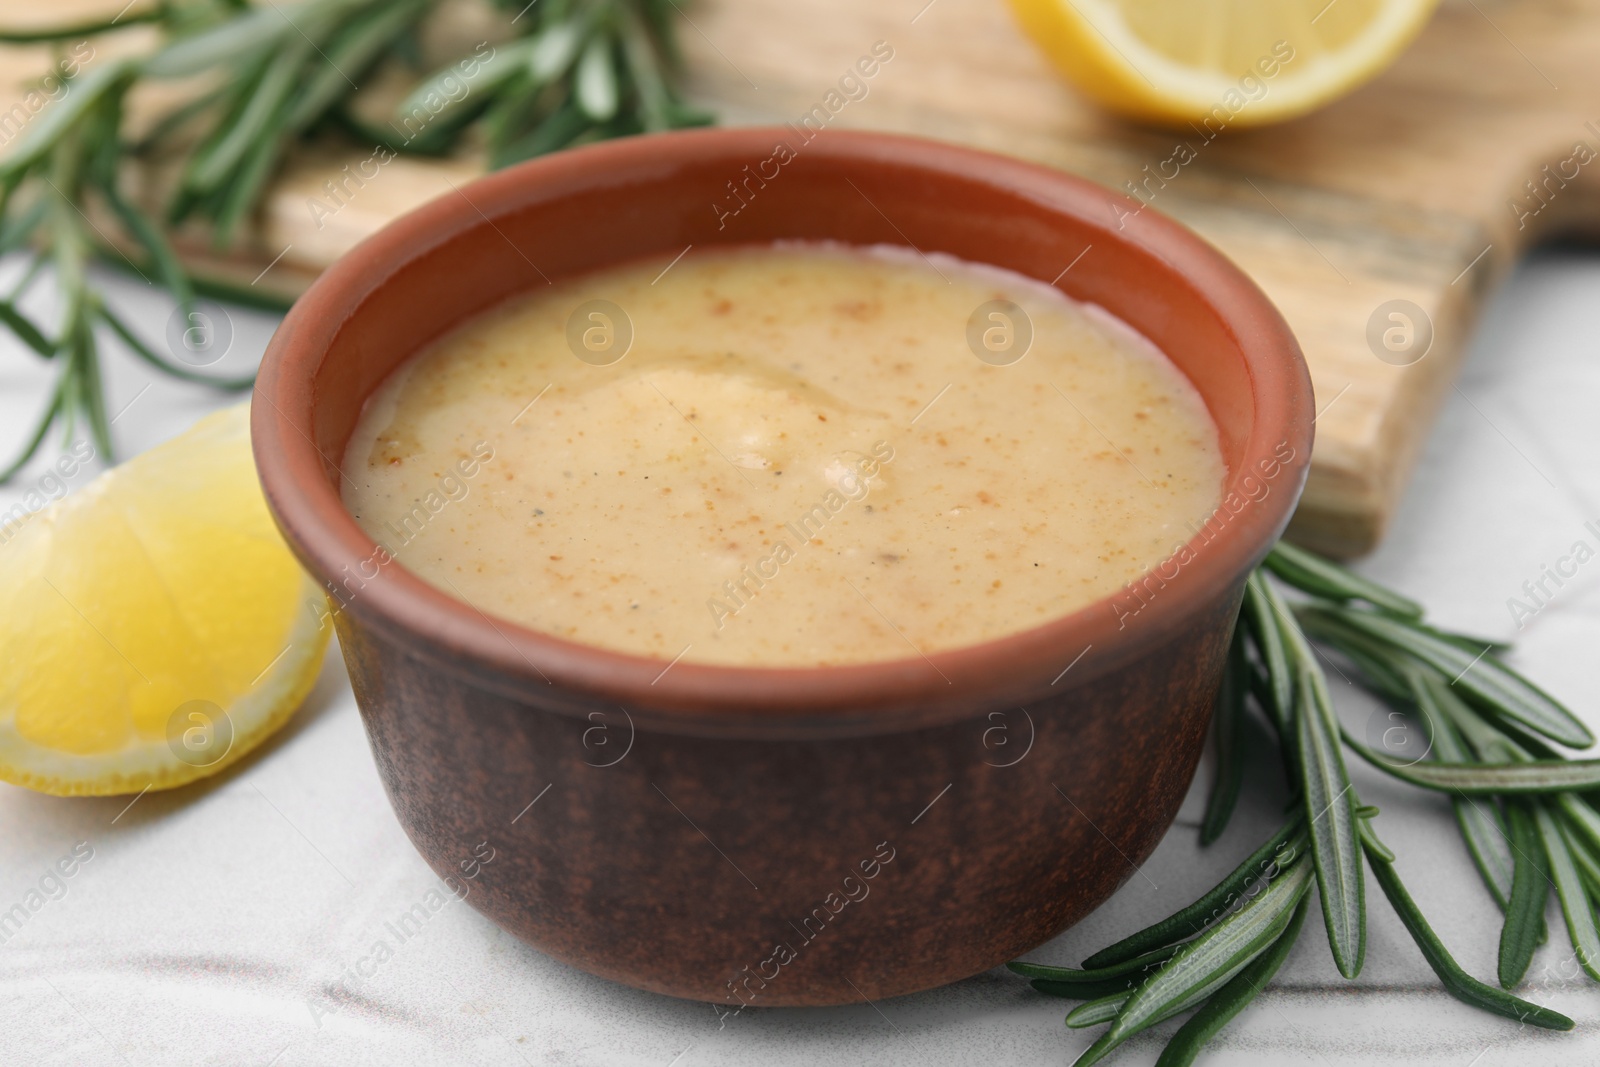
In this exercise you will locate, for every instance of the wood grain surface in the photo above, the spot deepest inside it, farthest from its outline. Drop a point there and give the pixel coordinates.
(1424, 186)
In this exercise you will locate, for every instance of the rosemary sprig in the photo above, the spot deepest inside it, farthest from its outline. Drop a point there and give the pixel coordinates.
(287, 72)
(580, 70)
(1526, 812)
(270, 77)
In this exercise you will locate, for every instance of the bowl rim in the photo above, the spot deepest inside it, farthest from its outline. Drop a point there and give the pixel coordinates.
(526, 664)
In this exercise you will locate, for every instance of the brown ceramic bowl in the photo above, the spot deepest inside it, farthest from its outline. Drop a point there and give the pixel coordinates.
(782, 836)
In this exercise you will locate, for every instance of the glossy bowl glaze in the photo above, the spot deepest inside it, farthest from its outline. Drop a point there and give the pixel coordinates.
(782, 836)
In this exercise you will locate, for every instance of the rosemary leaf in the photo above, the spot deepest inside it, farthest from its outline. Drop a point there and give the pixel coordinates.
(1231, 999)
(555, 50)
(1457, 982)
(1100, 1010)
(144, 352)
(1570, 891)
(1280, 850)
(1369, 837)
(560, 129)
(655, 99)
(1488, 779)
(1230, 728)
(1582, 818)
(1437, 703)
(1483, 829)
(229, 45)
(1084, 990)
(80, 30)
(84, 356)
(1330, 814)
(26, 331)
(1260, 603)
(510, 112)
(58, 396)
(1489, 743)
(438, 96)
(1530, 888)
(1132, 966)
(1323, 578)
(596, 83)
(1585, 857)
(1514, 741)
(243, 189)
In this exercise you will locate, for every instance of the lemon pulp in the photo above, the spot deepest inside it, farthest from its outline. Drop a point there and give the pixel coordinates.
(157, 627)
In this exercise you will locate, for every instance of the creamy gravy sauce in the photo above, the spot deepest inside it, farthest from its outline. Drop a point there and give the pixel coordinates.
(800, 459)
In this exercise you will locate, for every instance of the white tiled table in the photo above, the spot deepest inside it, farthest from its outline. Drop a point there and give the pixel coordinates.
(208, 920)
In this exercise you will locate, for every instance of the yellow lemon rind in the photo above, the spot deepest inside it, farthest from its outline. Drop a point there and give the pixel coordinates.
(1113, 67)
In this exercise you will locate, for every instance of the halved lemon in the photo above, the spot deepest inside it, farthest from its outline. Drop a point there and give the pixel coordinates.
(1218, 64)
(155, 626)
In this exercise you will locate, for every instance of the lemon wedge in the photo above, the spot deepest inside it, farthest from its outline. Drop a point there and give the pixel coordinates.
(156, 628)
(1219, 64)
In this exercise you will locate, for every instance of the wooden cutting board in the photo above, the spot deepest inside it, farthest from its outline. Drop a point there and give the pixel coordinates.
(1413, 189)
